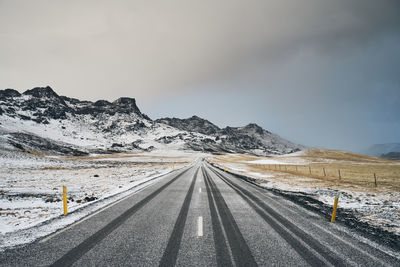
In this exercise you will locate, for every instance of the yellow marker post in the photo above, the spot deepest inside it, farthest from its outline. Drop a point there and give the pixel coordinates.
(65, 200)
(173, 166)
(224, 169)
(334, 209)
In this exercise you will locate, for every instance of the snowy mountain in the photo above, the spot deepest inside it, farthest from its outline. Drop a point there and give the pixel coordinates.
(41, 120)
(251, 138)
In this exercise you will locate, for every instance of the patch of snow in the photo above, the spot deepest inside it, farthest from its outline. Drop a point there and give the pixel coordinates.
(267, 161)
(31, 187)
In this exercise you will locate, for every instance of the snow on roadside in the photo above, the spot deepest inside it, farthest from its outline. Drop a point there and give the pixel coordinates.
(381, 210)
(377, 208)
(30, 234)
(31, 188)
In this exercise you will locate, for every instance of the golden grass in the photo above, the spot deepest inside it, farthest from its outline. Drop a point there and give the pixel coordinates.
(355, 174)
(340, 156)
(356, 171)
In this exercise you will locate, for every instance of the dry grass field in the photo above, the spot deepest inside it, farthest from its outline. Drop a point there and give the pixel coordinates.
(325, 168)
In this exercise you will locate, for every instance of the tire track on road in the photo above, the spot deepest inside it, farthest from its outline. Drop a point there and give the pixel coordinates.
(171, 252)
(221, 248)
(77, 252)
(240, 250)
(268, 214)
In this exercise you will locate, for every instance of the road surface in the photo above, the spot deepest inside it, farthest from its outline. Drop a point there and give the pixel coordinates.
(201, 216)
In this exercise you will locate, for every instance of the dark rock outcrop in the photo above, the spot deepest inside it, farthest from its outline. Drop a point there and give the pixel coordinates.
(8, 93)
(47, 104)
(192, 124)
(126, 105)
(42, 92)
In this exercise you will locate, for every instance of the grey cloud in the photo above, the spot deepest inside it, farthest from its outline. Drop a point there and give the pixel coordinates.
(308, 52)
(146, 48)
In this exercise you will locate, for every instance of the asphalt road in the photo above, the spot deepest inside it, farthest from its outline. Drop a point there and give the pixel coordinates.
(201, 216)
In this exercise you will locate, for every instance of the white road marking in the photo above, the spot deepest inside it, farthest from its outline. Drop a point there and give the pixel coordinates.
(200, 226)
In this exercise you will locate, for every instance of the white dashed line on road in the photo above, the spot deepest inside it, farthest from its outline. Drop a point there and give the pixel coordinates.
(200, 226)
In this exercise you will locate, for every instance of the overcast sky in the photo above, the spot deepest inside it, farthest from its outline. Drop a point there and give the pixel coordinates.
(318, 72)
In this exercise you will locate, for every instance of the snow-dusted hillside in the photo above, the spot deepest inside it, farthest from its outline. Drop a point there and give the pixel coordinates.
(41, 120)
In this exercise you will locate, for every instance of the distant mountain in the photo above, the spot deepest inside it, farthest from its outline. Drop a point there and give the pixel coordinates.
(389, 151)
(192, 124)
(391, 155)
(41, 120)
(234, 139)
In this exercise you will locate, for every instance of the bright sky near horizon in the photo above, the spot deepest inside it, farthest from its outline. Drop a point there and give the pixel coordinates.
(319, 73)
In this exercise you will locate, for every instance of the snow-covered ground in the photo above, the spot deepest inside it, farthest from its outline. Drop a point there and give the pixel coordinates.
(377, 209)
(86, 133)
(289, 159)
(31, 187)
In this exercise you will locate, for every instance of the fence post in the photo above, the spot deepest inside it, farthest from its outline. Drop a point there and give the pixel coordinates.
(65, 200)
(375, 179)
(324, 171)
(340, 176)
(334, 209)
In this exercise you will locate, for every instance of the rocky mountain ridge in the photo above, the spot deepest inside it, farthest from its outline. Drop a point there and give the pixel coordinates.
(239, 139)
(41, 120)
(48, 104)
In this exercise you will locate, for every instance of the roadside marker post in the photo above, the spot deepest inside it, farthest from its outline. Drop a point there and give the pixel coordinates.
(335, 204)
(65, 200)
(309, 167)
(375, 179)
(324, 171)
(340, 176)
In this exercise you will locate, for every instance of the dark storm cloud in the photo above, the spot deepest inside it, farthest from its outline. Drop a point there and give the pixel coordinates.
(291, 57)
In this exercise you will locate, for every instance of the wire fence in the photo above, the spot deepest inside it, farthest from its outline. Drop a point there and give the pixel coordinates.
(365, 174)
